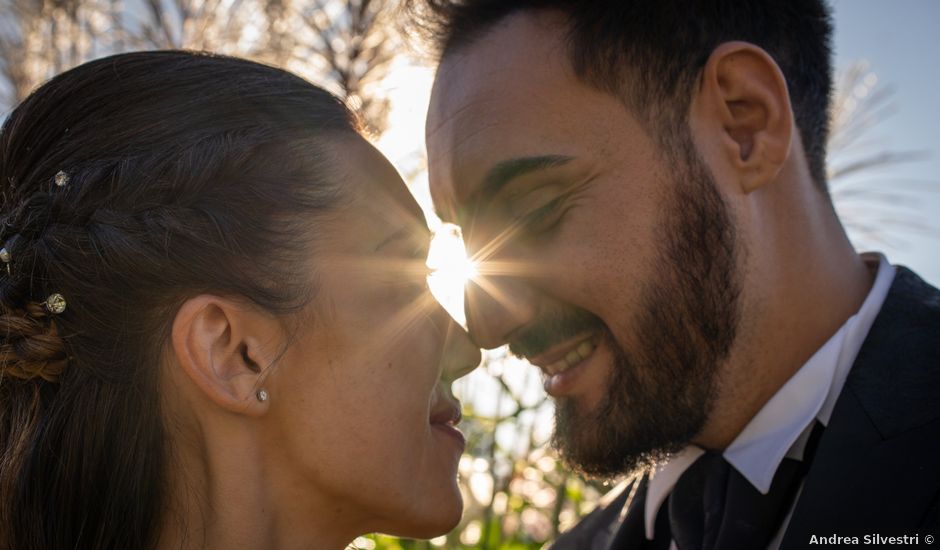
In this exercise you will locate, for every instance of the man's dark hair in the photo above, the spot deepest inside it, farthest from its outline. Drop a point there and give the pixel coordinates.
(664, 44)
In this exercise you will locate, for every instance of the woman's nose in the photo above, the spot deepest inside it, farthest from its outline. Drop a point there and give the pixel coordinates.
(461, 356)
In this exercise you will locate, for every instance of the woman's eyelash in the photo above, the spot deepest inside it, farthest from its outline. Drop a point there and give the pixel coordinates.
(421, 253)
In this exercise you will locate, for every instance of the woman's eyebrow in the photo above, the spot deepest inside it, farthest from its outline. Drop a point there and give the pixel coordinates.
(402, 233)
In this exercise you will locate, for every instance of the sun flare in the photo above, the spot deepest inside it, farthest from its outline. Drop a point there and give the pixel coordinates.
(450, 269)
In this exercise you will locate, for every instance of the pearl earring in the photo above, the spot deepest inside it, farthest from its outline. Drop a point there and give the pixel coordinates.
(262, 395)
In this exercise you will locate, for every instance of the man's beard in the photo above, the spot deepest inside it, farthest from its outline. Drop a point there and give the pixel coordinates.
(661, 393)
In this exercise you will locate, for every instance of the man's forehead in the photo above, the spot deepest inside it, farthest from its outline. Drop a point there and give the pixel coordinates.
(481, 98)
(517, 53)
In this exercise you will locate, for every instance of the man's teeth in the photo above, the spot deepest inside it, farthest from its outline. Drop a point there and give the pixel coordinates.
(574, 357)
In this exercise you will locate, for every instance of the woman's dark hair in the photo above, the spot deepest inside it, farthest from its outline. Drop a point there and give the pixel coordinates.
(183, 173)
(651, 52)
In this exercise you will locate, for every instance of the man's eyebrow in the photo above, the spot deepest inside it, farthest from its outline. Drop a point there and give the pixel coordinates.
(501, 174)
(506, 171)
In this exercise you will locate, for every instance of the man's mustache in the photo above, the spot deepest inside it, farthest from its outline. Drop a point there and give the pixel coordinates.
(551, 328)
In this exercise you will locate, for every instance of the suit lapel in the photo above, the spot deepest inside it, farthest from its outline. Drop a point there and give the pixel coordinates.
(860, 483)
(631, 532)
(597, 529)
(876, 467)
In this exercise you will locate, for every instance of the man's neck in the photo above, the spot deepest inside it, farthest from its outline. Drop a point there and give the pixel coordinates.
(798, 291)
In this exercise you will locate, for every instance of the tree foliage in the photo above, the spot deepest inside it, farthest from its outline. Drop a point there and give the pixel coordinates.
(345, 46)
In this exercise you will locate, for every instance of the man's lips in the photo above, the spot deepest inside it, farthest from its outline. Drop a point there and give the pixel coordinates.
(565, 355)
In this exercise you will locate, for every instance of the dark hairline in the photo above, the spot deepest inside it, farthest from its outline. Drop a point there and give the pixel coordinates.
(660, 101)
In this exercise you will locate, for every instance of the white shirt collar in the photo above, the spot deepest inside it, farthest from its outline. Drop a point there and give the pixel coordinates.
(782, 426)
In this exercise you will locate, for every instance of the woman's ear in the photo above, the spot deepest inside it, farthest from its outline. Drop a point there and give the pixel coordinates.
(224, 347)
(742, 114)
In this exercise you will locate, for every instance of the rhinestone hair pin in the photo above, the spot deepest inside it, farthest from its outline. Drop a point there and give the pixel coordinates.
(6, 258)
(61, 178)
(55, 303)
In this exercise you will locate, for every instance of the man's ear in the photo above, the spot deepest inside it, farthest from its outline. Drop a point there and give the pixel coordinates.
(742, 114)
(224, 347)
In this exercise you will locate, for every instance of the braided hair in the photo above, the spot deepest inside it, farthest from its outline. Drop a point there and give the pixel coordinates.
(127, 185)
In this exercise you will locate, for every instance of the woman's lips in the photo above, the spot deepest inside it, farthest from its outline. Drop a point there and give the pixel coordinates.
(451, 431)
(444, 418)
(447, 411)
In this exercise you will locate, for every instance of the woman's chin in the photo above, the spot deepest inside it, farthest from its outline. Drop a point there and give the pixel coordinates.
(438, 519)
(445, 524)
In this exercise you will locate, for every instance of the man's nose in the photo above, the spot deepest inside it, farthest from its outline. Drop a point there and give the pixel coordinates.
(496, 306)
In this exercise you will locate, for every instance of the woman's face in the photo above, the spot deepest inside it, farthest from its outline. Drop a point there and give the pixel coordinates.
(360, 411)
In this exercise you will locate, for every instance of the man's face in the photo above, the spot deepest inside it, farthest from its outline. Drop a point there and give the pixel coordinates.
(607, 261)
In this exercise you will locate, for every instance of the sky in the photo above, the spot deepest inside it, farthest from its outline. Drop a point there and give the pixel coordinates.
(898, 41)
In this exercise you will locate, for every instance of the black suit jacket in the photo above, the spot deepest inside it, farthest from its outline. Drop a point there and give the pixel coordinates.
(877, 467)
